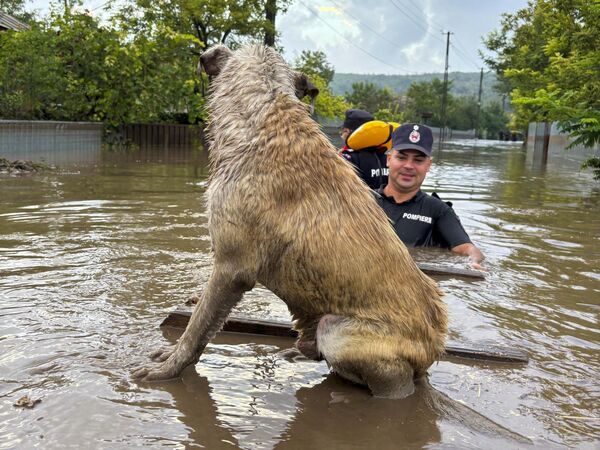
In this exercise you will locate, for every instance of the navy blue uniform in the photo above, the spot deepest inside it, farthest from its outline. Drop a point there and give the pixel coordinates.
(424, 221)
(371, 164)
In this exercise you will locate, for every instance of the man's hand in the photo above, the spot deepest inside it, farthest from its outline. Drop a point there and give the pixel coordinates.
(474, 254)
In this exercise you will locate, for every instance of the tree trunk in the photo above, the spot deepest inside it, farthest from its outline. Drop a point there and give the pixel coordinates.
(270, 13)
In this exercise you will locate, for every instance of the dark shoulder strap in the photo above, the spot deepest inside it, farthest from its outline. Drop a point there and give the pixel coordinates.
(435, 194)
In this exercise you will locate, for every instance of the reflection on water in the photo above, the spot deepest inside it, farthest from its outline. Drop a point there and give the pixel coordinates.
(92, 259)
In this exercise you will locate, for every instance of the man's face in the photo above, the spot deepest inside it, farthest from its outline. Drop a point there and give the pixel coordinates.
(345, 133)
(408, 169)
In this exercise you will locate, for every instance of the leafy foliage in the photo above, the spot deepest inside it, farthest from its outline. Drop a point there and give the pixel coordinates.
(367, 96)
(230, 22)
(328, 105)
(387, 115)
(315, 63)
(320, 72)
(73, 68)
(16, 8)
(547, 56)
(463, 83)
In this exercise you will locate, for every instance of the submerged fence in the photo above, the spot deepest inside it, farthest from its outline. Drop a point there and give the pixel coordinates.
(163, 135)
(49, 141)
(66, 143)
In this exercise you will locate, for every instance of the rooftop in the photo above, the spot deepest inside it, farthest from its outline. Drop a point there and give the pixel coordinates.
(8, 22)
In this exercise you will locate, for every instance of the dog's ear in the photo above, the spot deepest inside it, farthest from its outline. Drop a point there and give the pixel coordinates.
(213, 60)
(304, 87)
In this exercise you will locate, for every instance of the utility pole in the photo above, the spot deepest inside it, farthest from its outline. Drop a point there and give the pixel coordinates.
(479, 103)
(445, 93)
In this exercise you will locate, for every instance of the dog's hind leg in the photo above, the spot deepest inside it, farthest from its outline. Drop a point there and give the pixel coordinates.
(355, 352)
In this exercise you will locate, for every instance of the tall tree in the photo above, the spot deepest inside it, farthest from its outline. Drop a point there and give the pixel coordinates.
(16, 8)
(229, 22)
(423, 99)
(320, 71)
(72, 67)
(367, 96)
(547, 55)
(314, 62)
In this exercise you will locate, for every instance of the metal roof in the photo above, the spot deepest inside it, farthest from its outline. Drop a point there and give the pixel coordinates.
(10, 23)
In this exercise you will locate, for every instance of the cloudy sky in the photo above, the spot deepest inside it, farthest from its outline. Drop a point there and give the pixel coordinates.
(385, 36)
(392, 36)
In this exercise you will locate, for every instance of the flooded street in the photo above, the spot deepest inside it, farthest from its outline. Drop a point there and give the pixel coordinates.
(92, 258)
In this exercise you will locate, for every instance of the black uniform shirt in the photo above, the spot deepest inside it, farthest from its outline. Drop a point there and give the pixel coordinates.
(371, 164)
(424, 221)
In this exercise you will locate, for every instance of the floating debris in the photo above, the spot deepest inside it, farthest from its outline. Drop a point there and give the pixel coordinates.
(26, 402)
(21, 166)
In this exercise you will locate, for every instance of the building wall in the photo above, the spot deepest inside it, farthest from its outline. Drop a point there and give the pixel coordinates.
(556, 152)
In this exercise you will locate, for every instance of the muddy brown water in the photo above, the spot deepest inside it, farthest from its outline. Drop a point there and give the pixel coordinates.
(92, 258)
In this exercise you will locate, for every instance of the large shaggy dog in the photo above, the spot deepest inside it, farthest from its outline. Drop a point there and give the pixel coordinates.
(286, 211)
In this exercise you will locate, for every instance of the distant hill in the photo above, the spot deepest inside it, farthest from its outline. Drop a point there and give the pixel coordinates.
(463, 83)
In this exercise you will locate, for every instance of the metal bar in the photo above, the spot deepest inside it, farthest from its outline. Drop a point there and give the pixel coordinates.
(234, 324)
(436, 269)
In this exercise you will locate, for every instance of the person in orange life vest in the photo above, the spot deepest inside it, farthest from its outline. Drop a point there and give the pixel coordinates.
(354, 119)
(370, 162)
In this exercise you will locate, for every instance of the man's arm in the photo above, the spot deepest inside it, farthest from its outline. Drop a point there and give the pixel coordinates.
(452, 231)
(474, 254)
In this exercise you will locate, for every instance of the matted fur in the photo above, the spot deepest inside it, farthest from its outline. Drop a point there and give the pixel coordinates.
(286, 211)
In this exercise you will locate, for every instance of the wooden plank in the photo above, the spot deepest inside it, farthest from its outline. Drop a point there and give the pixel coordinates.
(180, 318)
(441, 270)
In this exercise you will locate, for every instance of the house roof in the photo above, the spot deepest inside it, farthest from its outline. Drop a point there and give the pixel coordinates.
(10, 23)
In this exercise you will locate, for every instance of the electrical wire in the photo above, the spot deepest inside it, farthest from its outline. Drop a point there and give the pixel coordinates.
(416, 22)
(461, 49)
(395, 44)
(464, 57)
(352, 43)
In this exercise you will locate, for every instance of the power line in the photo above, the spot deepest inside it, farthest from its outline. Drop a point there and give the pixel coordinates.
(395, 44)
(462, 53)
(464, 57)
(101, 6)
(415, 21)
(352, 43)
(461, 48)
(420, 7)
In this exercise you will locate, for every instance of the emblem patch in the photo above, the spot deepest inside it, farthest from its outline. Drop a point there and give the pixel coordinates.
(415, 136)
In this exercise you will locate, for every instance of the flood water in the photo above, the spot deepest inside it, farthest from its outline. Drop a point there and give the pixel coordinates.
(93, 258)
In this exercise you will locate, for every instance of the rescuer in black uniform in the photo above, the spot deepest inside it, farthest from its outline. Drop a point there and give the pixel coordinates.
(420, 220)
(370, 162)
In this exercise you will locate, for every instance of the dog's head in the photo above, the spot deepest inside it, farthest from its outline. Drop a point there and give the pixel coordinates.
(214, 59)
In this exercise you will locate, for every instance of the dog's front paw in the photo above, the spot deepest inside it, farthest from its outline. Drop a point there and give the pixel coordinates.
(155, 372)
(163, 353)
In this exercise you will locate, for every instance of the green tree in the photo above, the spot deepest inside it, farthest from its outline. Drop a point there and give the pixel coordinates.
(327, 104)
(547, 55)
(230, 22)
(315, 63)
(16, 8)
(320, 72)
(462, 114)
(367, 96)
(493, 119)
(71, 67)
(271, 9)
(388, 115)
(425, 98)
